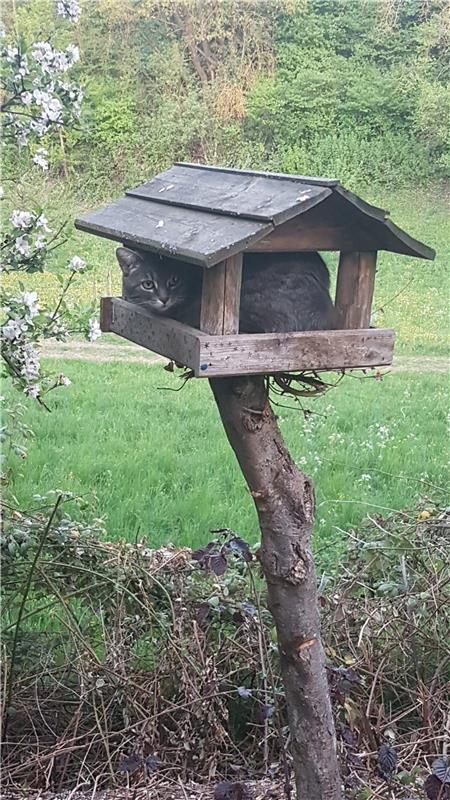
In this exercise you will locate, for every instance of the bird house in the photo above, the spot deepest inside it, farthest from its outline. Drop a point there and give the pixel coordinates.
(212, 216)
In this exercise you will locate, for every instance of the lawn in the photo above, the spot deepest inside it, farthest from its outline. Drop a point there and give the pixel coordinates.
(156, 464)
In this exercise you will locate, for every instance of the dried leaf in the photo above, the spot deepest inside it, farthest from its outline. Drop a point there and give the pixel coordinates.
(387, 761)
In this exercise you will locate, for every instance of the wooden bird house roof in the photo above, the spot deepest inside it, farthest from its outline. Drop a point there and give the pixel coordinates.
(204, 214)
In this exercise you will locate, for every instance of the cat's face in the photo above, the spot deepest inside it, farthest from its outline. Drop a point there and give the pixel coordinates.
(161, 284)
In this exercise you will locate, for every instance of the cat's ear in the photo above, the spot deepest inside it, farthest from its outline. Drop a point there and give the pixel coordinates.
(128, 260)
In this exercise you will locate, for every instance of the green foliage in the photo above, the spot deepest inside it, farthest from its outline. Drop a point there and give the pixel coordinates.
(358, 90)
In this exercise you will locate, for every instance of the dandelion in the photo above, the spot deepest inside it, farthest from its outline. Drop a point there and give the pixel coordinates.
(94, 329)
(77, 264)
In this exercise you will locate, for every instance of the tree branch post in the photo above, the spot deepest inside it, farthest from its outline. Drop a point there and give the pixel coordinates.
(284, 500)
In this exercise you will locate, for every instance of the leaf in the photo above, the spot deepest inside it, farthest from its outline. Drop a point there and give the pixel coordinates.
(130, 763)
(265, 712)
(240, 547)
(152, 764)
(202, 614)
(441, 768)
(217, 564)
(435, 789)
(387, 761)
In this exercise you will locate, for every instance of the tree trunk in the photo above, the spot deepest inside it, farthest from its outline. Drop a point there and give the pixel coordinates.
(284, 499)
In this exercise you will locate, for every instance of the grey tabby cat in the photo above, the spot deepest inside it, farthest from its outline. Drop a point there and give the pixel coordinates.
(280, 291)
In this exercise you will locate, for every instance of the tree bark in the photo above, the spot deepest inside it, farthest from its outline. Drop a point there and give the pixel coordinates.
(284, 500)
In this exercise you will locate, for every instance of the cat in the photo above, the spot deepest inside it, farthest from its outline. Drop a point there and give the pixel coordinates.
(280, 291)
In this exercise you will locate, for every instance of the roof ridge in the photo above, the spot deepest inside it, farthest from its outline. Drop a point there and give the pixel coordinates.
(313, 181)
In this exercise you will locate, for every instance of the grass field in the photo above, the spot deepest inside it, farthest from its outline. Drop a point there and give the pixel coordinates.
(156, 463)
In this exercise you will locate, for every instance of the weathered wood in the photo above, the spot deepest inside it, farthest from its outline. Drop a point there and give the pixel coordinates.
(279, 176)
(253, 354)
(354, 288)
(284, 500)
(184, 233)
(206, 214)
(164, 336)
(247, 354)
(238, 194)
(221, 297)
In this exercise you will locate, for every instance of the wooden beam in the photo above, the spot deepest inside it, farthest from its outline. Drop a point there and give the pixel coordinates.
(354, 288)
(164, 336)
(221, 297)
(212, 356)
(266, 353)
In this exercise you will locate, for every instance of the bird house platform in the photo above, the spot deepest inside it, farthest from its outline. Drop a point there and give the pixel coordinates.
(211, 216)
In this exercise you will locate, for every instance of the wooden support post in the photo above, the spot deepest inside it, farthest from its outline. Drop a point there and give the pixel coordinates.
(221, 297)
(284, 499)
(354, 289)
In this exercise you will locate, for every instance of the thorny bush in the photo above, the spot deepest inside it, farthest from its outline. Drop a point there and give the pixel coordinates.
(122, 660)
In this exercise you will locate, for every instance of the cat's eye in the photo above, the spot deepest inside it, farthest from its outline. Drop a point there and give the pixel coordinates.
(149, 285)
(172, 282)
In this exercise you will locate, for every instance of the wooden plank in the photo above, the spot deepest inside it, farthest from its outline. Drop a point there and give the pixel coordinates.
(164, 336)
(229, 193)
(354, 288)
(194, 236)
(313, 181)
(247, 354)
(221, 297)
(106, 313)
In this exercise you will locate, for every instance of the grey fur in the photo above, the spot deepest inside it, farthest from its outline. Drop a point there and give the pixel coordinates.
(280, 291)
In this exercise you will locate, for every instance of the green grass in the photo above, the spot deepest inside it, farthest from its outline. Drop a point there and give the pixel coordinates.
(156, 463)
(411, 295)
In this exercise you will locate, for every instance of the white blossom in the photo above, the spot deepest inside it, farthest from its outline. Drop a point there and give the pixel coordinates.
(72, 54)
(38, 127)
(2, 192)
(21, 219)
(64, 380)
(70, 9)
(33, 391)
(40, 242)
(39, 158)
(30, 301)
(26, 98)
(77, 264)
(94, 329)
(13, 329)
(31, 362)
(22, 245)
(42, 221)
